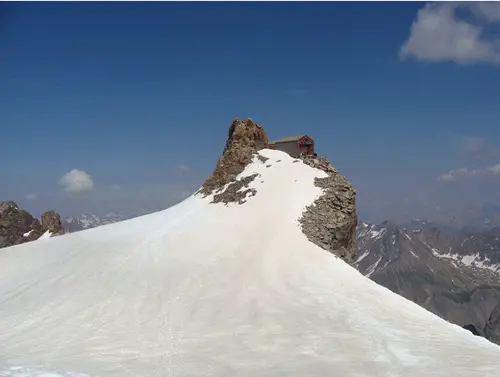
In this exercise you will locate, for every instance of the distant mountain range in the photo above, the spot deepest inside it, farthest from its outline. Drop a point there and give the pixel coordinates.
(454, 274)
(89, 220)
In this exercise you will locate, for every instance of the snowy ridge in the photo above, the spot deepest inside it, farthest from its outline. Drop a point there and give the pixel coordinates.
(206, 289)
(469, 260)
(369, 234)
(472, 260)
(370, 230)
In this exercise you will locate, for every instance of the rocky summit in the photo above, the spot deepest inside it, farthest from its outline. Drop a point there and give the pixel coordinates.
(244, 139)
(19, 226)
(330, 222)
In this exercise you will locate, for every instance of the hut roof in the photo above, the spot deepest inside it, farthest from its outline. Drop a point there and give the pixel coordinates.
(289, 138)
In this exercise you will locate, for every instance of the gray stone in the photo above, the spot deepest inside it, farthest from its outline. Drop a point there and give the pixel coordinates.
(330, 222)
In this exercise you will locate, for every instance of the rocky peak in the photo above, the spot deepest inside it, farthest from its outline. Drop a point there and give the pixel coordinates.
(244, 139)
(8, 206)
(330, 222)
(19, 226)
(51, 222)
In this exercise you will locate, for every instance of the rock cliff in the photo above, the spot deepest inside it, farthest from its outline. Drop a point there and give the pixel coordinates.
(51, 222)
(19, 226)
(330, 222)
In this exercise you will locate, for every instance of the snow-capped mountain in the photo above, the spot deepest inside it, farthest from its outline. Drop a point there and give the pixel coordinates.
(455, 275)
(216, 287)
(89, 220)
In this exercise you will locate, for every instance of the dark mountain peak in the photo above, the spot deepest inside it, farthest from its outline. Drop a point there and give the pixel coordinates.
(8, 205)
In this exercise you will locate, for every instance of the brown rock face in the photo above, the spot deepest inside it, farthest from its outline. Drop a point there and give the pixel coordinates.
(51, 221)
(244, 139)
(330, 222)
(18, 226)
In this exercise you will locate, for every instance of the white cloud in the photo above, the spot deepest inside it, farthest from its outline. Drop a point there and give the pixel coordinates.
(76, 181)
(489, 10)
(465, 173)
(495, 169)
(31, 196)
(438, 34)
(116, 187)
(454, 175)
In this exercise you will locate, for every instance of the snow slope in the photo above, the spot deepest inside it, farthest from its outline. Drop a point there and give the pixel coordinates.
(212, 290)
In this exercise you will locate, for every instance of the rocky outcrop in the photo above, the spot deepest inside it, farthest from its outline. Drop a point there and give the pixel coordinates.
(51, 222)
(18, 226)
(330, 222)
(492, 326)
(489, 329)
(244, 139)
(473, 329)
(233, 193)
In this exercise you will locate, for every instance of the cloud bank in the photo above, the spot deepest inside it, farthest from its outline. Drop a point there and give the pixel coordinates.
(456, 32)
(466, 173)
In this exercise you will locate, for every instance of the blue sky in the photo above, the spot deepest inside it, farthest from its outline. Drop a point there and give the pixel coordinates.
(133, 100)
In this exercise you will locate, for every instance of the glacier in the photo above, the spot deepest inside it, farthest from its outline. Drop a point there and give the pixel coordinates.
(203, 289)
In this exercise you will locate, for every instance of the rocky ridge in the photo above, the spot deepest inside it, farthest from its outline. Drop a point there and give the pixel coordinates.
(330, 222)
(19, 226)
